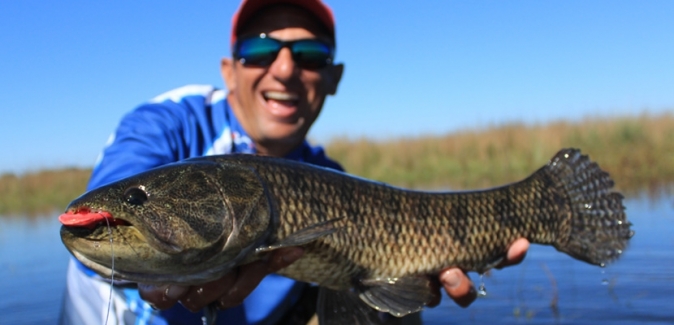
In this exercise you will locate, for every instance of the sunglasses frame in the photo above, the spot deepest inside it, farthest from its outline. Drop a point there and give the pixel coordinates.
(282, 44)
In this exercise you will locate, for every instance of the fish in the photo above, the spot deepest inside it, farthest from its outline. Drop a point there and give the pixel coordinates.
(371, 248)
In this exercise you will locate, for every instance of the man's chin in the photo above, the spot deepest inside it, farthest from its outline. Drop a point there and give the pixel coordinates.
(286, 137)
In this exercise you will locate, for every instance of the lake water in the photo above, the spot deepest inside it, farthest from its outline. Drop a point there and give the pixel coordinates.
(547, 288)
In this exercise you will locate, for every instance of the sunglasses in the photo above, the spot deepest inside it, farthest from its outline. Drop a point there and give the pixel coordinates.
(262, 50)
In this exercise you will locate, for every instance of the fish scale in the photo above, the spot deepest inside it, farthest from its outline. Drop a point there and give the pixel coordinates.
(204, 216)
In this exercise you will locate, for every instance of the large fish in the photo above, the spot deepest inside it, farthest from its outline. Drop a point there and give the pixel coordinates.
(369, 246)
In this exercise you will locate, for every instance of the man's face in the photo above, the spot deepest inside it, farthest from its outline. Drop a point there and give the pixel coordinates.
(278, 104)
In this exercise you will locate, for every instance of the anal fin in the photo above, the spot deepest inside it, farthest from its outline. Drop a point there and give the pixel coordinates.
(397, 296)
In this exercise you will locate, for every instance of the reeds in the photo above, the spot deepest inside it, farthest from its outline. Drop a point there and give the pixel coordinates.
(41, 192)
(638, 152)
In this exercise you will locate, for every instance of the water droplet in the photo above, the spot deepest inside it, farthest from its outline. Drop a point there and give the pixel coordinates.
(97, 245)
(604, 281)
(602, 264)
(482, 290)
(200, 290)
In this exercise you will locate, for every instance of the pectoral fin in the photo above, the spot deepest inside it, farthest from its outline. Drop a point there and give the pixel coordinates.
(397, 296)
(344, 307)
(304, 236)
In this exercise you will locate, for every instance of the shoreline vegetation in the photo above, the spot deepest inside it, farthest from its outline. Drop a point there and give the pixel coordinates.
(637, 151)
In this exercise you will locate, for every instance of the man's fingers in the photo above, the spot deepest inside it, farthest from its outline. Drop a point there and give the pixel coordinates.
(516, 253)
(200, 296)
(458, 286)
(435, 291)
(161, 297)
(284, 257)
(252, 274)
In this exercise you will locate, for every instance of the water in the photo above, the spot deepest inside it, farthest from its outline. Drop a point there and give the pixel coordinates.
(547, 288)
(32, 270)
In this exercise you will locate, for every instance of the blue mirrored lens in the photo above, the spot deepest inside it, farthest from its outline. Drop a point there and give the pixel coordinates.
(311, 53)
(258, 51)
(262, 51)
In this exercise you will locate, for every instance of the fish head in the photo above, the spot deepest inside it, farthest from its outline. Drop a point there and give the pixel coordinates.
(187, 222)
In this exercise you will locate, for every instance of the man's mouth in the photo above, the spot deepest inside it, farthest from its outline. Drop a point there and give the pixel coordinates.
(280, 103)
(280, 95)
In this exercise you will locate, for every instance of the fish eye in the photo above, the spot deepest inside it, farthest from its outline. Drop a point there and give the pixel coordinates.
(135, 195)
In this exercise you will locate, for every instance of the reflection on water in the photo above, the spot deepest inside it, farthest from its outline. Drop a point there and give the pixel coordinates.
(547, 288)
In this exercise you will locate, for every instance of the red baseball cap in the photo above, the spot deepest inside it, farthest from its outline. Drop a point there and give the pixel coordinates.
(250, 7)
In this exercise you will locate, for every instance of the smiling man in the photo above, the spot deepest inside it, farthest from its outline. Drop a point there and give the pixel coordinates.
(278, 97)
(278, 77)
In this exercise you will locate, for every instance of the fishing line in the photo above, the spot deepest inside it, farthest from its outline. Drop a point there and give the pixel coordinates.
(112, 272)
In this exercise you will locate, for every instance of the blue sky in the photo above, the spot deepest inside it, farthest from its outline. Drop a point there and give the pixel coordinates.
(71, 69)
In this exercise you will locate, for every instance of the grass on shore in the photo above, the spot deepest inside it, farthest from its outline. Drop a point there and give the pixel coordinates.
(41, 192)
(638, 152)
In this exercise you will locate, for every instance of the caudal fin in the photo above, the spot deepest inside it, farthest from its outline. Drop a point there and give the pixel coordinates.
(595, 228)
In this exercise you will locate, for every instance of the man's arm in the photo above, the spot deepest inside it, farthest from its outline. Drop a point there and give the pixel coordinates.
(145, 138)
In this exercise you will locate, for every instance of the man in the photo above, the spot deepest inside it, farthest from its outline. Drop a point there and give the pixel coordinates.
(279, 75)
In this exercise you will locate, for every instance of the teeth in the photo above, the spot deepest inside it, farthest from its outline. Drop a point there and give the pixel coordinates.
(278, 95)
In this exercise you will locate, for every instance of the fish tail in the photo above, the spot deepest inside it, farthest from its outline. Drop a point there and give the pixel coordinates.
(594, 227)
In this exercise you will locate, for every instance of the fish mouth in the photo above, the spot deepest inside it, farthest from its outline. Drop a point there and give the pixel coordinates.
(85, 224)
(84, 217)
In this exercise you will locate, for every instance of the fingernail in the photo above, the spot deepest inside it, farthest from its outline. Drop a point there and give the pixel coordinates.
(175, 291)
(451, 278)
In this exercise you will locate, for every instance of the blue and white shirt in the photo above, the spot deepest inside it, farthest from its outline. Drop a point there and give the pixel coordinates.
(187, 122)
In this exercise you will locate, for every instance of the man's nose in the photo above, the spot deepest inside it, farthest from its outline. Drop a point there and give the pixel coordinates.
(283, 67)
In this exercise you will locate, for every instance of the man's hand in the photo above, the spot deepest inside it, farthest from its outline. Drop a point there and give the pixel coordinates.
(228, 291)
(459, 287)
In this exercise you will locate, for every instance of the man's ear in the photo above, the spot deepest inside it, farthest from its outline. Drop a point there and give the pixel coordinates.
(334, 75)
(227, 73)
